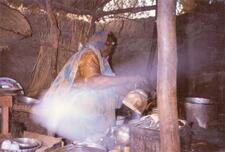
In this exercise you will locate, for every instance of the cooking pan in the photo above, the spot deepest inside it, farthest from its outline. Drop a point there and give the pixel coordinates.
(26, 100)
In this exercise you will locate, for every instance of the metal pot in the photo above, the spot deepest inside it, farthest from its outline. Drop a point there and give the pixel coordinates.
(200, 112)
(136, 100)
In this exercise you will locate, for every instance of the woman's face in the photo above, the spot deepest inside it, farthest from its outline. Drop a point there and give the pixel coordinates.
(108, 48)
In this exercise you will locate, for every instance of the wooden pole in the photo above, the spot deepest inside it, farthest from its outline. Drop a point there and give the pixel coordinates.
(166, 76)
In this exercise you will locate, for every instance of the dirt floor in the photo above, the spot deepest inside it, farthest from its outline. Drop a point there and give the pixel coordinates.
(210, 140)
(204, 146)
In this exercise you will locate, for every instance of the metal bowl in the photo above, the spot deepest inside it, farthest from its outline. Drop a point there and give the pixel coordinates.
(81, 148)
(88, 147)
(27, 143)
(21, 145)
(26, 100)
(12, 85)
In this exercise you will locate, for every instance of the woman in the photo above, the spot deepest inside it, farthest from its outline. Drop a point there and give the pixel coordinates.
(81, 102)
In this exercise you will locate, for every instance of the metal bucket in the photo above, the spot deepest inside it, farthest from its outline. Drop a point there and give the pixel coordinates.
(200, 112)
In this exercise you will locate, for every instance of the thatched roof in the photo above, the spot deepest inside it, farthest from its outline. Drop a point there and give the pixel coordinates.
(78, 7)
(95, 9)
(78, 4)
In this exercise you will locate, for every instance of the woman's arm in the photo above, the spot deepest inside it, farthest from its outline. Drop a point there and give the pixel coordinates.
(102, 82)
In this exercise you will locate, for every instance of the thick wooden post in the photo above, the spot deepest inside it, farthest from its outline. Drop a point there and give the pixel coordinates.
(166, 76)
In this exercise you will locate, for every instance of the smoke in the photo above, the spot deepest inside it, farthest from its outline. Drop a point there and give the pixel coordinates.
(79, 113)
(130, 65)
(137, 65)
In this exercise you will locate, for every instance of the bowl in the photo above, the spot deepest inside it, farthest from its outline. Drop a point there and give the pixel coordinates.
(20, 145)
(88, 147)
(27, 143)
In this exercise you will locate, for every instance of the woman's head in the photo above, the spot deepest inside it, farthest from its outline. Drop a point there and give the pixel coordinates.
(105, 42)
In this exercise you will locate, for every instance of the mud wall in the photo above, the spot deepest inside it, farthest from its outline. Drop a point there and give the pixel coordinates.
(201, 53)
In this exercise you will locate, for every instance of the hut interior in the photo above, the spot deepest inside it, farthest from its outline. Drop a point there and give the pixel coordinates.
(38, 37)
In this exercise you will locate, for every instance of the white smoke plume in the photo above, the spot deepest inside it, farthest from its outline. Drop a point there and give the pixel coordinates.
(79, 113)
